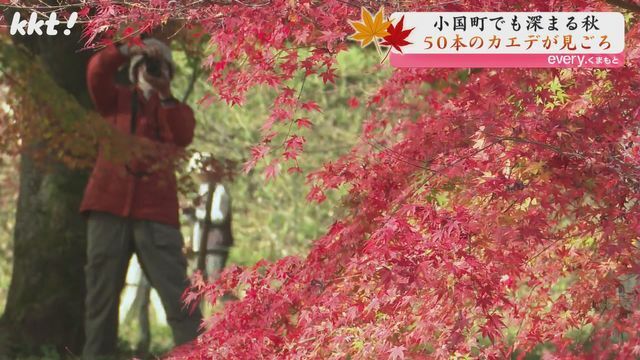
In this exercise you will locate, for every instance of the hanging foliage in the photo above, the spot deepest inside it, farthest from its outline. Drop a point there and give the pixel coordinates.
(490, 211)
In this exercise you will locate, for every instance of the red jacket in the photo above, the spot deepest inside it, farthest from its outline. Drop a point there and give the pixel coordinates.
(121, 189)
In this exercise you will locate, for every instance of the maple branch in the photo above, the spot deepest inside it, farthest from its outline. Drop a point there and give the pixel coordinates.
(533, 142)
(195, 64)
(630, 178)
(350, 3)
(265, 3)
(631, 6)
(419, 184)
(195, 72)
(513, 346)
(553, 243)
(43, 9)
(399, 157)
(304, 81)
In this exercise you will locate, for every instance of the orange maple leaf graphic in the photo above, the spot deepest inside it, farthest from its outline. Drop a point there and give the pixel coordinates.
(370, 28)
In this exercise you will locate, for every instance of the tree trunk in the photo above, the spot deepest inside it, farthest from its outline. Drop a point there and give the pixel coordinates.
(45, 304)
(46, 297)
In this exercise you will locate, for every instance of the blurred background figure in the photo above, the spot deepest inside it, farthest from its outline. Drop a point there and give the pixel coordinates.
(212, 227)
(211, 214)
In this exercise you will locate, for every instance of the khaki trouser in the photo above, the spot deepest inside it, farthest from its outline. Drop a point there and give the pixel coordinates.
(111, 242)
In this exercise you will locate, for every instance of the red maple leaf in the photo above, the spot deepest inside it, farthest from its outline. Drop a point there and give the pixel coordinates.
(83, 12)
(304, 122)
(397, 36)
(328, 76)
(271, 171)
(311, 106)
(397, 353)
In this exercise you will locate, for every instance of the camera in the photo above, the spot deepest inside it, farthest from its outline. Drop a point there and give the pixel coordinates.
(153, 66)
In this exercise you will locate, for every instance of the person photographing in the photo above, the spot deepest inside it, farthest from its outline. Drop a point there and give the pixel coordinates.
(132, 206)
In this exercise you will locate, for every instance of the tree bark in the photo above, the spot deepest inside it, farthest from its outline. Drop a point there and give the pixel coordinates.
(45, 304)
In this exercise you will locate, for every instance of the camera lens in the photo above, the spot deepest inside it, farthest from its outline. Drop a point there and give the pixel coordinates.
(153, 66)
